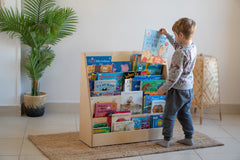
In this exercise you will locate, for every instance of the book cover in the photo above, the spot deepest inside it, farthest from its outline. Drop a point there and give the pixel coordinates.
(123, 126)
(101, 93)
(119, 117)
(136, 58)
(128, 85)
(142, 122)
(151, 85)
(118, 76)
(105, 85)
(109, 119)
(154, 69)
(129, 75)
(155, 47)
(137, 79)
(132, 101)
(148, 102)
(99, 60)
(91, 85)
(101, 130)
(156, 120)
(115, 99)
(122, 66)
(158, 106)
(99, 68)
(141, 66)
(102, 109)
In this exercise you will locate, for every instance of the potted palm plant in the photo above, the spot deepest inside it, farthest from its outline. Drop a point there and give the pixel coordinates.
(39, 25)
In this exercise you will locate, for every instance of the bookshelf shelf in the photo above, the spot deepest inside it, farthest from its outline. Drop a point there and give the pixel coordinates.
(86, 111)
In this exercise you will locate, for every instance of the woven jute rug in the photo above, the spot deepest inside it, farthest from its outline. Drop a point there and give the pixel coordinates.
(67, 146)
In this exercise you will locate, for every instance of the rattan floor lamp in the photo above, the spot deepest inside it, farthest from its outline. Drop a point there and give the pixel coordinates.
(206, 84)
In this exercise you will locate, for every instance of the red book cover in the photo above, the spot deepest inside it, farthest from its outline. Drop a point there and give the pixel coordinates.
(102, 109)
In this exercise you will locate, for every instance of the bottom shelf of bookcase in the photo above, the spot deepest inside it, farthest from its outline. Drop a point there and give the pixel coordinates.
(112, 138)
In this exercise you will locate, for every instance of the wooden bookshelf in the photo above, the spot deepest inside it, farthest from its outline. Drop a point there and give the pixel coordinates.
(86, 111)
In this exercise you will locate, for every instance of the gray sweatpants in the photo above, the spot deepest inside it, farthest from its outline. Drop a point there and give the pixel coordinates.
(178, 104)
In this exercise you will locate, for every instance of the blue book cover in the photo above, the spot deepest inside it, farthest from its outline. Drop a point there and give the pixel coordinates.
(91, 85)
(137, 80)
(105, 85)
(156, 120)
(154, 69)
(99, 60)
(155, 47)
(123, 66)
(118, 76)
(148, 102)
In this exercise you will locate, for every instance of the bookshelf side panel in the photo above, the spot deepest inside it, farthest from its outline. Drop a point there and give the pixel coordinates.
(85, 127)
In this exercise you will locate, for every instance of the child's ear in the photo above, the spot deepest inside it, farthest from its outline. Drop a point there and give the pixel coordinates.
(181, 35)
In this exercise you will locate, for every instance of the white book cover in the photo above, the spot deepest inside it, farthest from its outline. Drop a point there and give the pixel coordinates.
(123, 126)
(128, 85)
(118, 117)
(132, 101)
(158, 106)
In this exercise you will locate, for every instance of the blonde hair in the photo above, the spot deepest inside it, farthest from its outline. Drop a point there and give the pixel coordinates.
(186, 26)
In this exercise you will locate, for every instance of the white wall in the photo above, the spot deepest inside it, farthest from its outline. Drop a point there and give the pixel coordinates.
(118, 25)
(9, 66)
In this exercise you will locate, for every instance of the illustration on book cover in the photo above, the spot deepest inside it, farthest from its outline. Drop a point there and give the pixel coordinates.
(155, 47)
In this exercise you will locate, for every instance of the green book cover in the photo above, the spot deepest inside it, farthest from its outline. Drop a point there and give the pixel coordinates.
(151, 85)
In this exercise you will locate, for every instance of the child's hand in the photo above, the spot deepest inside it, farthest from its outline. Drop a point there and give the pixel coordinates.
(160, 91)
(163, 31)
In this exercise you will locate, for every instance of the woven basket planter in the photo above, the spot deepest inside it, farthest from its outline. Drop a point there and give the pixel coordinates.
(206, 83)
(35, 105)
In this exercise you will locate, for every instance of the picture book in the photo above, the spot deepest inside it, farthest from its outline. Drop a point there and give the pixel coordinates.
(91, 85)
(123, 126)
(101, 130)
(137, 79)
(99, 125)
(141, 66)
(115, 99)
(92, 76)
(118, 76)
(132, 74)
(132, 101)
(136, 58)
(109, 118)
(151, 85)
(154, 69)
(121, 66)
(156, 120)
(155, 47)
(105, 85)
(148, 102)
(99, 68)
(128, 85)
(120, 117)
(101, 93)
(158, 106)
(102, 109)
(99, 60)
(103, 68)
(142, 122)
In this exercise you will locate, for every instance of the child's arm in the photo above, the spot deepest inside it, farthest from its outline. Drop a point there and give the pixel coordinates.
(175, 71)
(169, 37)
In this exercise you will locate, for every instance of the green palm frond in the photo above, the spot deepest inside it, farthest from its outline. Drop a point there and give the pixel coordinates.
(37, 63)
(35, 9)
(40, 22)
